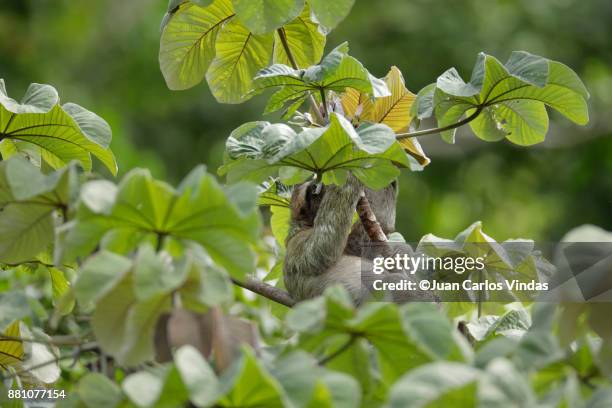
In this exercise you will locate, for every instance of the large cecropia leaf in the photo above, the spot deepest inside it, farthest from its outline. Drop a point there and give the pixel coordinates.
(330, 13)
(141, 209)
(305, 41)
(187, 45)
(258, 150)
(510, 260)
(264, 16)
(39, 126)
(506, 100)
(225, 41)
(240, 54)
(28, 201)
(394, 111)
(336, 72)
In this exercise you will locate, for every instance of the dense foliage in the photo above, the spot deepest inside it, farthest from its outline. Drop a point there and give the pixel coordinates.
(126, 294)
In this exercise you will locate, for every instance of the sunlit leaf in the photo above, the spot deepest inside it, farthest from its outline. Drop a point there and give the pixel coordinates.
(428, 384)
(187, 45)
(240, 54)
(330, 13)
(510, 98)
(369, 152)
(148, 210)
(11, 351)
(28, 202)
(305, 41)
(60, 133)
(264, 16)
(336, 72)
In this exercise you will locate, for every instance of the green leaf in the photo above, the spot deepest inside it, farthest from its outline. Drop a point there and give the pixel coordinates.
(61, 288)
(197, 375)
(502, 385)
(509, 260)
(336, 72)
(381, 325)
(510, 98)
(305, 41)
(147, 210)
(108, 319)
(28, 200)
(330, 13)
(370, 152)
(11, 352)
(144, 388)
(240, 54)
(155, 274)
(434, 333)
(124, 326)
(249, 385)
(60, 133)
(428, 384)
(99, 275)
(279, 223)
(96, 390)
(187, 45)
(264, 16)
(274, 194)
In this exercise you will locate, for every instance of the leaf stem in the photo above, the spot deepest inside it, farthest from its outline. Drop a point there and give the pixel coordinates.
(341, 350)
(283, 37)
(424, 132)
(324, 101)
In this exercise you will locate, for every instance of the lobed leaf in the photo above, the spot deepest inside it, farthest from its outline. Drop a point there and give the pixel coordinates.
(187, 44)
(304, 39)
(370, 152)
(509, 99)
(239, 55)
(59, 134)
(147, 210)
(336, 72)
(264, 16)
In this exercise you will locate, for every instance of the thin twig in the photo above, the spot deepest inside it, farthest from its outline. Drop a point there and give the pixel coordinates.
(87, 347)
(55, 341)
(268, 291)
(424, 132)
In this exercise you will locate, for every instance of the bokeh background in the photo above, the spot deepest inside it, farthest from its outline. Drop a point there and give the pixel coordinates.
(102, 54)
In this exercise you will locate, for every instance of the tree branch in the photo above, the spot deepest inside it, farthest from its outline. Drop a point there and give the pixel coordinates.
(268, 291)
(368, 219)
(79, 350)
(424, 132)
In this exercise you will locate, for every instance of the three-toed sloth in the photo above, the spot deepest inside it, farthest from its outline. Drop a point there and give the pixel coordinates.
(325, 248)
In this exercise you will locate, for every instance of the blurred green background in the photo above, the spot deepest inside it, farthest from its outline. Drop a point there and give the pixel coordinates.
(102, 54)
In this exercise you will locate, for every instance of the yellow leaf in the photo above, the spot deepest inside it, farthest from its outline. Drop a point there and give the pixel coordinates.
(11, 351)
(352, 103)
(413, 148)
(394, 110)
